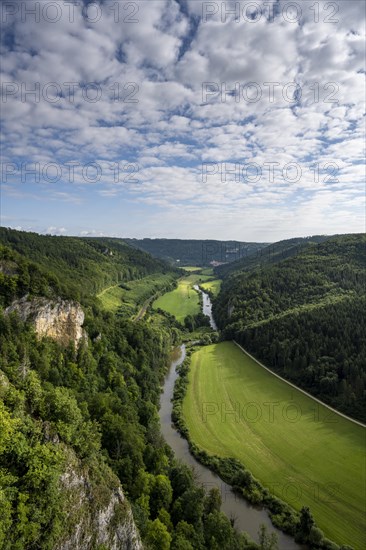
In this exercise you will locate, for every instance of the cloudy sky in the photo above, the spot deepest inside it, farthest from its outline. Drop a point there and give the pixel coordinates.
(178, 118)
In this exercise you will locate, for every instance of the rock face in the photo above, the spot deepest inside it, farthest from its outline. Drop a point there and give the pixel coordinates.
(97, 518)
(61, 320)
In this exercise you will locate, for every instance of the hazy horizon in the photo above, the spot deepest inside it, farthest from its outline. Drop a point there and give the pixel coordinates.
(49, 231)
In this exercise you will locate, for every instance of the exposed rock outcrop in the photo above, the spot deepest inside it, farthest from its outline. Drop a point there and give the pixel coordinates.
(8, 267)
(98, 513)
(61, 320)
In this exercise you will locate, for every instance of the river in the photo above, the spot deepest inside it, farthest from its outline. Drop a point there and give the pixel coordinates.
(206, 306)
(247, 517)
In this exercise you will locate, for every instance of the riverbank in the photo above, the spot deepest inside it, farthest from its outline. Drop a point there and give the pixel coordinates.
(247, 517)
(302, 453)
(232, 471)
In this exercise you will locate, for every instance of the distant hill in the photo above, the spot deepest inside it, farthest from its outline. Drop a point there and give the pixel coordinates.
(186, 252)
(269, 254)
(304, 318)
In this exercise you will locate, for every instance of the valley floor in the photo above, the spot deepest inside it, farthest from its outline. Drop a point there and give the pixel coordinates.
(303, 452)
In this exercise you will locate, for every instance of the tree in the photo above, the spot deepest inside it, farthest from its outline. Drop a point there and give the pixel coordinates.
(305, 525)
(218, 531)
(185, 534)
(266, 541)
(158, 536)
(189, 323)
(9, 426)
(189, 506)
(213, 501)
(161, 494)
(181, 478)
(180, 543)
(316, 535)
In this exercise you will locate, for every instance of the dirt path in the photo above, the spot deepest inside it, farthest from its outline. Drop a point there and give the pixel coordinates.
(106, 289)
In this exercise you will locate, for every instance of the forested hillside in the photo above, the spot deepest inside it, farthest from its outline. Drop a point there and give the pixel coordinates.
(304, 318)
(192, 252)
(269, 254)
(78, 267)
(87, 416)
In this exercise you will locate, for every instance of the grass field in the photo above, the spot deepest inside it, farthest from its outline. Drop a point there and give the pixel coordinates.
(181, 301)
(304, 453)
(133, 293)
(190, 268)
(207, 271)
(213, 286)
(184, 300)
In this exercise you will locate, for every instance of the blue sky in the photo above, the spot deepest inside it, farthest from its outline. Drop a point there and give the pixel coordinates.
(183, 119)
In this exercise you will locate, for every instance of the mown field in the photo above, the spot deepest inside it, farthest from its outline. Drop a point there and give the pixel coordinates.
(303, 452)
(181, 301)
(184, 300)
(125, 297)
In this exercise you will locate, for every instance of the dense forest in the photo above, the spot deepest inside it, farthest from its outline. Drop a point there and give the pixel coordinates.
(270, 254)
(191, 252)
(98, 402)
(304, 318)
(78, 267)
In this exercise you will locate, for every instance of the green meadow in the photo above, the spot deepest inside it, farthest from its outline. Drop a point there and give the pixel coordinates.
(184, 300)
(190, 268)
(181, 301)
(125, 297)
(298, 448)
(111, 297)
(207, 271)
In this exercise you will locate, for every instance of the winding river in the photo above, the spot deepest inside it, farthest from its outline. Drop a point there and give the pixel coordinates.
(247, 517)
(206, 306)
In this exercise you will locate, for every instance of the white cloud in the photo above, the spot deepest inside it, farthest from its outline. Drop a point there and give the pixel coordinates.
(162, 62)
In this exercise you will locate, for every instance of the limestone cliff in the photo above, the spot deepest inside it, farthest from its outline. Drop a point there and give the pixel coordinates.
(98, 513)
(61, 320)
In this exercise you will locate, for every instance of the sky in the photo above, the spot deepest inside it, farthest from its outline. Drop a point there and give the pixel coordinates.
(183, 119)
